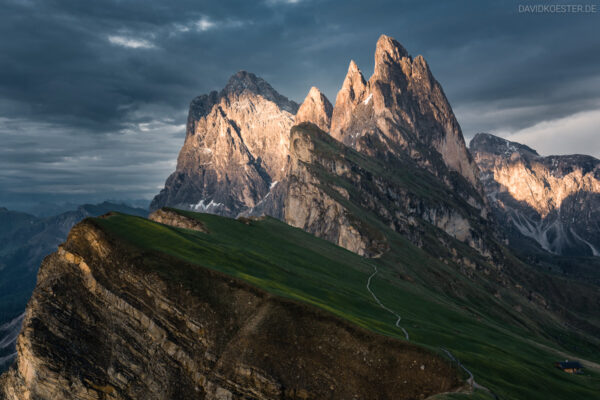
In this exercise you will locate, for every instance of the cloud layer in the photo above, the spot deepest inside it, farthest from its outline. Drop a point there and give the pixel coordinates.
(93, 95)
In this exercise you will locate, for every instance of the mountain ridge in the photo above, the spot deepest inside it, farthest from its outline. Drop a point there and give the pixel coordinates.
(549, 199)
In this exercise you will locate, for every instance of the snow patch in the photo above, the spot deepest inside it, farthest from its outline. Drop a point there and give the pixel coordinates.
(368, 99)
(532, 229)
(595, 251)
(201, 206)
(273, 184)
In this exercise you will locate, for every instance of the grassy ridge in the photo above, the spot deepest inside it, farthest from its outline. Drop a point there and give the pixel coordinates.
(289, 262)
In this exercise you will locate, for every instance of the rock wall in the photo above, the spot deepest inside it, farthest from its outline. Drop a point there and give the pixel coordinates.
(552, 200)
(101, 326)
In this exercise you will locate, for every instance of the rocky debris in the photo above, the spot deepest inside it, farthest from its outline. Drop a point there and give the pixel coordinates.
(101, 325)
(554, 200)
(236, 146)
(171, 218)
(317, 109)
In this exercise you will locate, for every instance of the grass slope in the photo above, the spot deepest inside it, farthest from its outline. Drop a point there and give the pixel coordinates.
(289, 262)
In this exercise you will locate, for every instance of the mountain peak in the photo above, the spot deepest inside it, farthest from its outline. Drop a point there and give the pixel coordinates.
(488, 143)
(389, 49)
(244, 81)
(352, 91)
(316, 108)
(353, 68)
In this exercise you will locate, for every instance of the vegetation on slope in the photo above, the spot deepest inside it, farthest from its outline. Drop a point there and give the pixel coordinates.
(507, 358)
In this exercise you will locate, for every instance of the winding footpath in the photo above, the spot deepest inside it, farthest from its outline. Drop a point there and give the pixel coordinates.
(470, 381)
(383, 306)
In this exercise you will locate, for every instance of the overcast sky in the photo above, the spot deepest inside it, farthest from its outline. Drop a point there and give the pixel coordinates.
(94, 94)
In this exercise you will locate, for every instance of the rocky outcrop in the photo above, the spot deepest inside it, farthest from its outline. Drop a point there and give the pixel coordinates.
(553, 200)
(404, 103)
(310, 207)
(24, 242)
(317, 109)
(236, 148)
(331, 188)
(172, 218)
(102, 324)
(348, 98)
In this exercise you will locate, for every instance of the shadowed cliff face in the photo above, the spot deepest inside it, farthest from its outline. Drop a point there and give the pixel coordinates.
(553, 200)
(24, 242)
(331, 187)
(103, 325)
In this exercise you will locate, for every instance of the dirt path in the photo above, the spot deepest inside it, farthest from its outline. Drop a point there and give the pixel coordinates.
(471, 381)
(383, 306)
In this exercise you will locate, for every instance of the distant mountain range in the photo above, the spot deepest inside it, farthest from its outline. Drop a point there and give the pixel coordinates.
(25, 241)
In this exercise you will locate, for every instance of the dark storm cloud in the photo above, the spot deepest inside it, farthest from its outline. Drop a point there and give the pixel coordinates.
(93, 95)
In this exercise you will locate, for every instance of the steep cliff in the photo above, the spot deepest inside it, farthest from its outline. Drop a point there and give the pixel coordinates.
(252, 308)
(114, 316)
(235, 149)
(25, 241)
(404, 105)
(553, 200)
(330, 187)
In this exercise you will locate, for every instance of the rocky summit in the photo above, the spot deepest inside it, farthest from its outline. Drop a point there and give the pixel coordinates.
(235, 150)
(317, 109)
(405, 108)
(238, 159)
(553, 200)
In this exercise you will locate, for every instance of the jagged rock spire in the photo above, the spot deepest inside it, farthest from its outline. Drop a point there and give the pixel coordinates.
(236, 147)
(317, 109)
(403, 102)
(351, 93)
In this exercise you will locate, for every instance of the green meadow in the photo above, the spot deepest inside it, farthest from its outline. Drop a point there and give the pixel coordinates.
(508, 356)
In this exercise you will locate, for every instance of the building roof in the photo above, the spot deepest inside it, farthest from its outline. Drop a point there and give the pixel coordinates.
(569, 365)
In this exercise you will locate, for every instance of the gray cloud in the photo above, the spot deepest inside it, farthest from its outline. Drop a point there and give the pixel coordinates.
(93, 95)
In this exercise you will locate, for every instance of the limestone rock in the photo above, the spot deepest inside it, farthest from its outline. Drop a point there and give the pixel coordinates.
(554, 200)
(101, 326)
(236, 146)
(238, 161)
(168, 217)
(404, 103)
(317, 109)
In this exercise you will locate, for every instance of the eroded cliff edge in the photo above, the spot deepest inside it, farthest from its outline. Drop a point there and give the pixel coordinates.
(112, 321)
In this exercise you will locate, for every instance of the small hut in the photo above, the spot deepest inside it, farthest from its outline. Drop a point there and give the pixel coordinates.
(571, 367)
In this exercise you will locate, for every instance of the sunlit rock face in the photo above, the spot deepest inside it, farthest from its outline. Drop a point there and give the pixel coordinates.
(317, 109)
(403, 103)
(237, 159)
(554, 200)
(235, 150)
